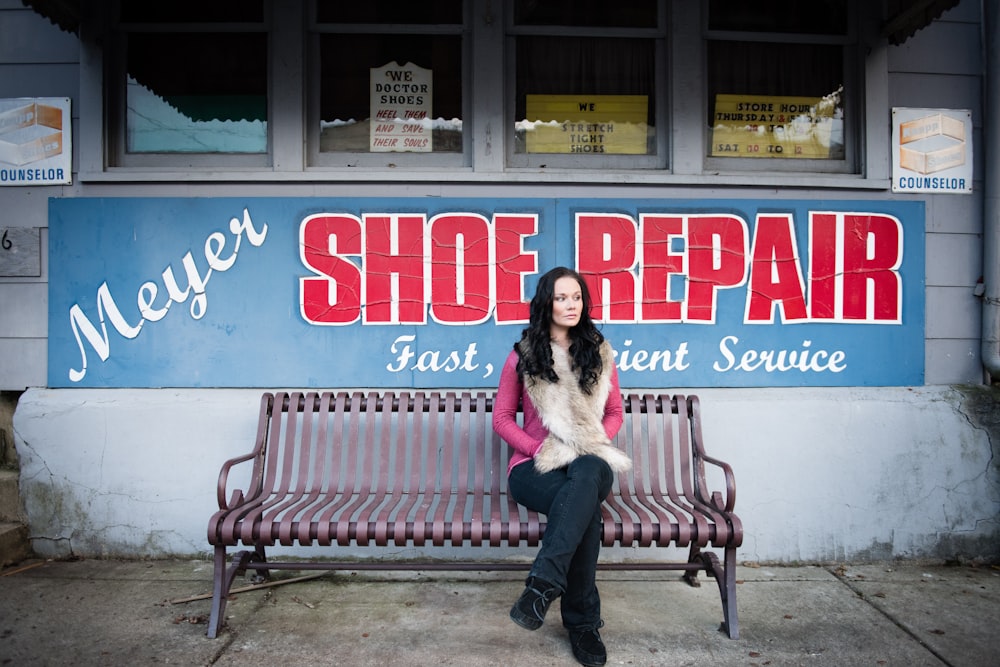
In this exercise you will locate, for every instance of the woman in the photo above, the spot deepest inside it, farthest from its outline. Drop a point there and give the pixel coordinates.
(562, 371)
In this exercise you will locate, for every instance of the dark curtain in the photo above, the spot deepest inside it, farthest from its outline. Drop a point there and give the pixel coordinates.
(345, 61)
(756, 68)
(586, 66)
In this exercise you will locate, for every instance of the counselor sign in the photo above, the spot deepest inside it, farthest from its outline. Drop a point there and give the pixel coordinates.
(387, 292)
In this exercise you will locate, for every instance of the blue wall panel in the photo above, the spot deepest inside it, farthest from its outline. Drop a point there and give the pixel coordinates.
(148, 292)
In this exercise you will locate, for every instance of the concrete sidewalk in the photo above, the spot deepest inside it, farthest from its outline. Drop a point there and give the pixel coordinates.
(104, 612)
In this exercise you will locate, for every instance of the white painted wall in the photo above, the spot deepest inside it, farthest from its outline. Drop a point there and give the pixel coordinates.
(822, 474)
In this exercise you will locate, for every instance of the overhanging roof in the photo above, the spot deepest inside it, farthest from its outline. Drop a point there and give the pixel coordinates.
(903, 17)
(906, 17)
(63, 13)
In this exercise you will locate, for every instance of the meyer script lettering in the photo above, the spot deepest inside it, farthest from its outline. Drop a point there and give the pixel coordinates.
(150, 306)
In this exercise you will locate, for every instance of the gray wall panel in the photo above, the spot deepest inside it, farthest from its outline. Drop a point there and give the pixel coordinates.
(955, 214)
(24, 310)
(26, 37)
(23, 363)
(954, 260)
(968, 11)
(26, 206)
(55, 80)
(938, 91)
(952, 361)
(952, 312)
(944, 48)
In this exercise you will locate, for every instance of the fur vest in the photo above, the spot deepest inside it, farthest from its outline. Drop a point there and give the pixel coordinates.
(573, 418)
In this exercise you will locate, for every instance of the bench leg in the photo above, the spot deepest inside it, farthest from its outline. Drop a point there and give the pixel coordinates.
(691, 576)
(728, 592)
(259, 556)
(222, 581)
(725, 576)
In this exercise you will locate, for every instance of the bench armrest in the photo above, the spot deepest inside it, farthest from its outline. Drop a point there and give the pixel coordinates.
(724, 503)
(257, 455)
(727, 502)
(224, 481)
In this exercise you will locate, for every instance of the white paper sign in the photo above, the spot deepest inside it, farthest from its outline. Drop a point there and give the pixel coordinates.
(400, 109)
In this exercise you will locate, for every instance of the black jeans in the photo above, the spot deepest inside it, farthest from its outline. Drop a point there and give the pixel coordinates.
(570, 498)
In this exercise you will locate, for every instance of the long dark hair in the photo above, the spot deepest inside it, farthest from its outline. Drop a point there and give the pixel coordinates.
(535, 347)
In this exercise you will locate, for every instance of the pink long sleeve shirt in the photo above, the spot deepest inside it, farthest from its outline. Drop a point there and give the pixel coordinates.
(526, 438)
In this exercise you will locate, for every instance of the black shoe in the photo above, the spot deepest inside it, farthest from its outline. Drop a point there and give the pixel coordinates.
(588, 648)
(529, 610)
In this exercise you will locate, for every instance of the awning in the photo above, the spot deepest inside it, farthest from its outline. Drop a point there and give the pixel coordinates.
(903, 17)
(906, 17)
(63, 13)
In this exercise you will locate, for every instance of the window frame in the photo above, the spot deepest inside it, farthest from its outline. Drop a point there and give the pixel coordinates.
(391, 160)
(115, 99)
(853, 104)
(488, 127)
(660, 35)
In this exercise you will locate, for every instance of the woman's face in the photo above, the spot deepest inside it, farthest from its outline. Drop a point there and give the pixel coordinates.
(567, 303)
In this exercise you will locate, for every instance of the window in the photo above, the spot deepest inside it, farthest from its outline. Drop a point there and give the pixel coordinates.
(192, 79)
(390, 84)
(642, 90)
(585, 90)
(779, 85)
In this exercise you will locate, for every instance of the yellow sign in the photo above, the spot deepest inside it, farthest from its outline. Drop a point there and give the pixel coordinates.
(608, 124)
(782, 127)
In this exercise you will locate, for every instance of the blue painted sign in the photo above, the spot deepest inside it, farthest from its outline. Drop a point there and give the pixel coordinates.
(417, 292)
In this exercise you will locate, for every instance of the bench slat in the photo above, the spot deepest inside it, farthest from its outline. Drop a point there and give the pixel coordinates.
(660, 450)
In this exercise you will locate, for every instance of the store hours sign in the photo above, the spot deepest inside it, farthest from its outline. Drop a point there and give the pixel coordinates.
(394, 292)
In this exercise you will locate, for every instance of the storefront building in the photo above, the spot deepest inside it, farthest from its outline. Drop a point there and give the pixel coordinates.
(790, 210)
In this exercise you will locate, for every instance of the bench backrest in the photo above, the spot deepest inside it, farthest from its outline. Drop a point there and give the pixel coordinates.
(433, 458)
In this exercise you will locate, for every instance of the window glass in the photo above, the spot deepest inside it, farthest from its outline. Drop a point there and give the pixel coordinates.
(585, 96)
(390, 12)
(208, 96)
(818, 17)
(186, 11)
(390, 93)
(784, 98)
(598, 13)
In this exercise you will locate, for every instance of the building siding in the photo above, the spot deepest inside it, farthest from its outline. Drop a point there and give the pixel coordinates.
(849, 473)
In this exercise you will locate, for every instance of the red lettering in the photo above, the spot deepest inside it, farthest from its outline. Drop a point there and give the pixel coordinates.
(716, 259)
(394, 246)
(460, 268)
(823, 266)
(658, 265)
(512, 263)
(606, 253)
(866, 285)
(395, 268)
(335, 296)
(775, 276)
(873, 250)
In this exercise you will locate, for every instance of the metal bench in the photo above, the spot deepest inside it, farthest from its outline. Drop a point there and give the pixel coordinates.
(427, 470)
